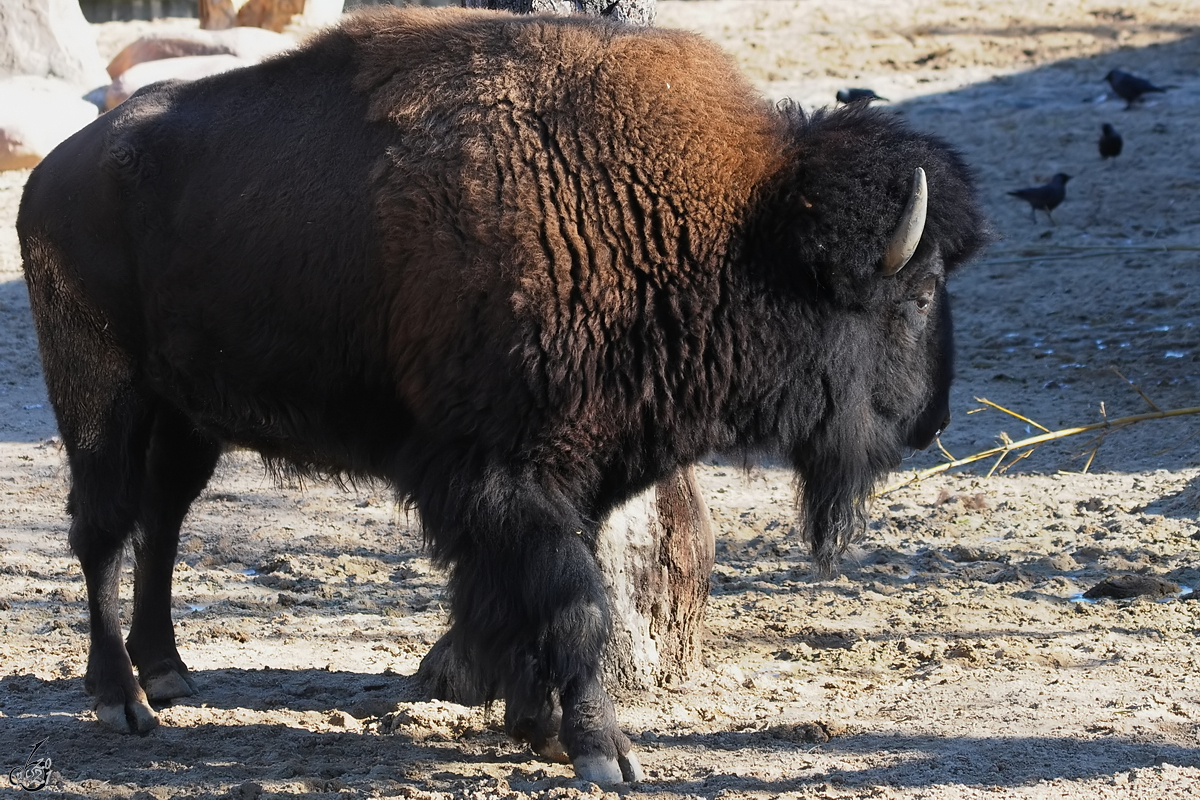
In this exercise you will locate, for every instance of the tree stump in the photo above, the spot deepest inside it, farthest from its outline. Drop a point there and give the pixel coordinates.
(657, 554)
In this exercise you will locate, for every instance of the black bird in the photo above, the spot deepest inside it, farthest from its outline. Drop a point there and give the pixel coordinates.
(1046, 197)
(1110, 142)
(1130, 87)
(857, 96)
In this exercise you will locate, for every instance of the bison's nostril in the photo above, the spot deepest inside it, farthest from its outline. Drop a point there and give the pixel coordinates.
(945, 424)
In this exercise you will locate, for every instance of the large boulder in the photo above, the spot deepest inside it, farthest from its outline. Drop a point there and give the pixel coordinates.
(49, 38)
(253, 44)
(184, 68)
(36, 114)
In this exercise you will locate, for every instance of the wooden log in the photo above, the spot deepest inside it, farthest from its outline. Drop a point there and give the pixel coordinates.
(657, 554)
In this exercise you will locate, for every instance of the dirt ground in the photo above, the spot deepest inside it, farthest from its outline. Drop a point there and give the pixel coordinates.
(952, 658)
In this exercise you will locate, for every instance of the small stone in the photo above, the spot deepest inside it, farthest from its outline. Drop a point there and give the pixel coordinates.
(1062, 562)
(807, 732)
(340, 719)
(372, 707)
(1122, 587)
(246, 791)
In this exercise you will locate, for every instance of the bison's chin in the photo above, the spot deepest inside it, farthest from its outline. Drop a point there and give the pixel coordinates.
(931, 422)
(924, 435)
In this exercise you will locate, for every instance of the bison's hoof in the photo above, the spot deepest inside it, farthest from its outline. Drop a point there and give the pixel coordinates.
(598, 769)
(606, 771)
(169, 686)
(135, 716)
(631, 768)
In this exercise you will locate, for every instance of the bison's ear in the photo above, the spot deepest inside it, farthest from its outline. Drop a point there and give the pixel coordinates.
(912, 224)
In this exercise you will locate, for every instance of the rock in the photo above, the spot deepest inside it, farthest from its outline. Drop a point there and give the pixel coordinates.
(884, 555)
(342, 719)
(965, 554)
(807, 732)
(35, 115)
(1062, 562)
(1089, 554)
(185, 68)
(1121, 587)
(246, 791)
(270, 14)
(254, 44)
(434, 719)
(49, 38)
(372, 707)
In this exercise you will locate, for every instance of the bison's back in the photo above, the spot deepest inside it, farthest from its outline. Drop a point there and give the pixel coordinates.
(435, 221)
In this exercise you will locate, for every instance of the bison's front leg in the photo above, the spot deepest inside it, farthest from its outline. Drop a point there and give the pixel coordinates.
(528, 597)
(449, 671)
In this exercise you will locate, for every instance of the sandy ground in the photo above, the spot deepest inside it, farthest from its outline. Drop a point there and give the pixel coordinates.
(952, 658)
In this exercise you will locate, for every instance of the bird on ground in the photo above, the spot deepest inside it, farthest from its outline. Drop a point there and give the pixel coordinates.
(857, 96)
(1130, 88)
(1046, 197)
(1110, 142)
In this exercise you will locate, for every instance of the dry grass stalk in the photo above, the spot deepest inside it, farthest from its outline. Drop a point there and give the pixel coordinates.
(1007, 447)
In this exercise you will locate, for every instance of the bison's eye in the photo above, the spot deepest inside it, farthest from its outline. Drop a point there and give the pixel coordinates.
(924, 298)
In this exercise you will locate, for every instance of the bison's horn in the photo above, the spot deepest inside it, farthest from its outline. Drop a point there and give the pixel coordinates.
(912, 225)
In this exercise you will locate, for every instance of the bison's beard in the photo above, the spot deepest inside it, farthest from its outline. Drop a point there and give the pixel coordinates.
(834, 485)
(833, 515)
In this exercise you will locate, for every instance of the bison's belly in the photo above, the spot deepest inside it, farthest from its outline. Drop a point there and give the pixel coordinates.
(314, 418)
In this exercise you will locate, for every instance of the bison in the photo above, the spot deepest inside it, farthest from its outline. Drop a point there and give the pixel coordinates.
(519, 267)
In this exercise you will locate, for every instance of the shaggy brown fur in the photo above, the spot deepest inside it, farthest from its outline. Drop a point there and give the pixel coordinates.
(598, 160)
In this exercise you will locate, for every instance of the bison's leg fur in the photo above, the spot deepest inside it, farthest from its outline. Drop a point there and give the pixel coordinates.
(452, 671)
(528, 597)
(532, 712)
(179, 464)
(448, 672)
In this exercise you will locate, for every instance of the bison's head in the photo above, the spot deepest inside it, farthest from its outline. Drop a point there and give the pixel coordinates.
(854, 241)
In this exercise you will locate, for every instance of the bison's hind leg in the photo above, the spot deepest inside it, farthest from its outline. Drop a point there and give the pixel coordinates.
(179, 464)
(114, 430)
(107, 468)
(135, 480)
